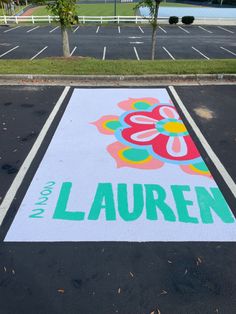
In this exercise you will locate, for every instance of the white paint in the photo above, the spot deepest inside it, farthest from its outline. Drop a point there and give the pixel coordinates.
(5, 205)
(219, 166)
(206, 30)
(5, 53)
(11, 29)
(168, 53)
(97, 29)
(136, 42)
(32, 29)
(119, 29)
(141, 30)
(135, 37)
(72, 52)
(75, 29)
(52, 30)
(78, 154)
(202, 54)
(104, 53)
(163, 29)
(136, 53)
(227, 30)
(184, 30)
(37, 54)
(234, 54)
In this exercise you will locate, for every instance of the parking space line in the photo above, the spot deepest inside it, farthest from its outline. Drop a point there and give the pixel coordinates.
(206, 30)
(184, 29)
(11, 29)
(73, 51)
(97, 29)
(219, 166)
(32, 29)
(136, 53)
(5, 53)
(119, 29)
(104, 53)
(35, 56)
(5, 205)
(163, 29)
(141, 30)
(228, 51)
(225, 29)
(200, 53)
(52, 30)
(168, 53)
(75, 29)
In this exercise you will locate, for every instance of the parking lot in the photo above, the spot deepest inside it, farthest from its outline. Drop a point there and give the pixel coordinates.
(109, 277)
(119, 42)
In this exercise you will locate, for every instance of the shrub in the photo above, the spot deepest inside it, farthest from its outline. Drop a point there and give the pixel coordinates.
(173, 19)
(187, 19)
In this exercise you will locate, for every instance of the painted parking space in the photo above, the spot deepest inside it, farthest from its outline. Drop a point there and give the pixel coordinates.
(145, 164)
(56, 277)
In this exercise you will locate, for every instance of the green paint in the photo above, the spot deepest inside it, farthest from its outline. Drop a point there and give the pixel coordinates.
(123, 206)
(140, 105)
(182, 204)
(61, 207)
(37, 214)
(214, 201)
(201, 166)
(152, 203)
(113, 125)
(103, 199)
(134, 154)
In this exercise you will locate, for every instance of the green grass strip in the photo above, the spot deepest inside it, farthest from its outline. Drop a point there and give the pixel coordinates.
(87, 66)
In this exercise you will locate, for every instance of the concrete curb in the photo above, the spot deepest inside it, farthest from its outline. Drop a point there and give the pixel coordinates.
(117, 79)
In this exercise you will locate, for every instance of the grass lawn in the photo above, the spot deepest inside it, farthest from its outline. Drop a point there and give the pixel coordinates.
(87, 66)
(104, 9)
(125, 9)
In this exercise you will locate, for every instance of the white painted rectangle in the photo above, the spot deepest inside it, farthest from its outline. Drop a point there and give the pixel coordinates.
(86, 168)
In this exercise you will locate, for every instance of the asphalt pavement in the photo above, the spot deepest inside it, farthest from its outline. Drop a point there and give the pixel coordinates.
(119, 42)
(127, 278)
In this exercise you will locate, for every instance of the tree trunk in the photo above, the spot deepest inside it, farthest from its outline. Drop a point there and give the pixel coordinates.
(154, 40)
(65, 42)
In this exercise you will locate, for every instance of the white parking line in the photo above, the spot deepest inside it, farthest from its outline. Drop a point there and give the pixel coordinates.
(54, 29)
(234, 54)
(11, 29)
(200, 53)
(168, 53)
(225, 175)
(136, 53)
(206, 30)
(104, 53)
(75, 29)
(97, 29)
(141, 30)
(5, 205)
(227, 30)
(163, 29)
(183, 29)
(32, 29)
(73, 51)
(119, 29)
(39, 53)
(5, 53)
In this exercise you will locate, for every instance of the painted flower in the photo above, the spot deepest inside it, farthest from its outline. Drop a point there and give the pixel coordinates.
(161, 132)
(150, 133)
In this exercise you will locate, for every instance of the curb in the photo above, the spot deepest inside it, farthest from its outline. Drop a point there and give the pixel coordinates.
(117, 79)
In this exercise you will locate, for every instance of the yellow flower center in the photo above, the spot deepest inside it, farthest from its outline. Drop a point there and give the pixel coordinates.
(175, 127)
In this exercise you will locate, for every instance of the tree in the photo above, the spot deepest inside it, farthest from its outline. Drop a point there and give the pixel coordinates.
(153, 6)
(66, 10)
